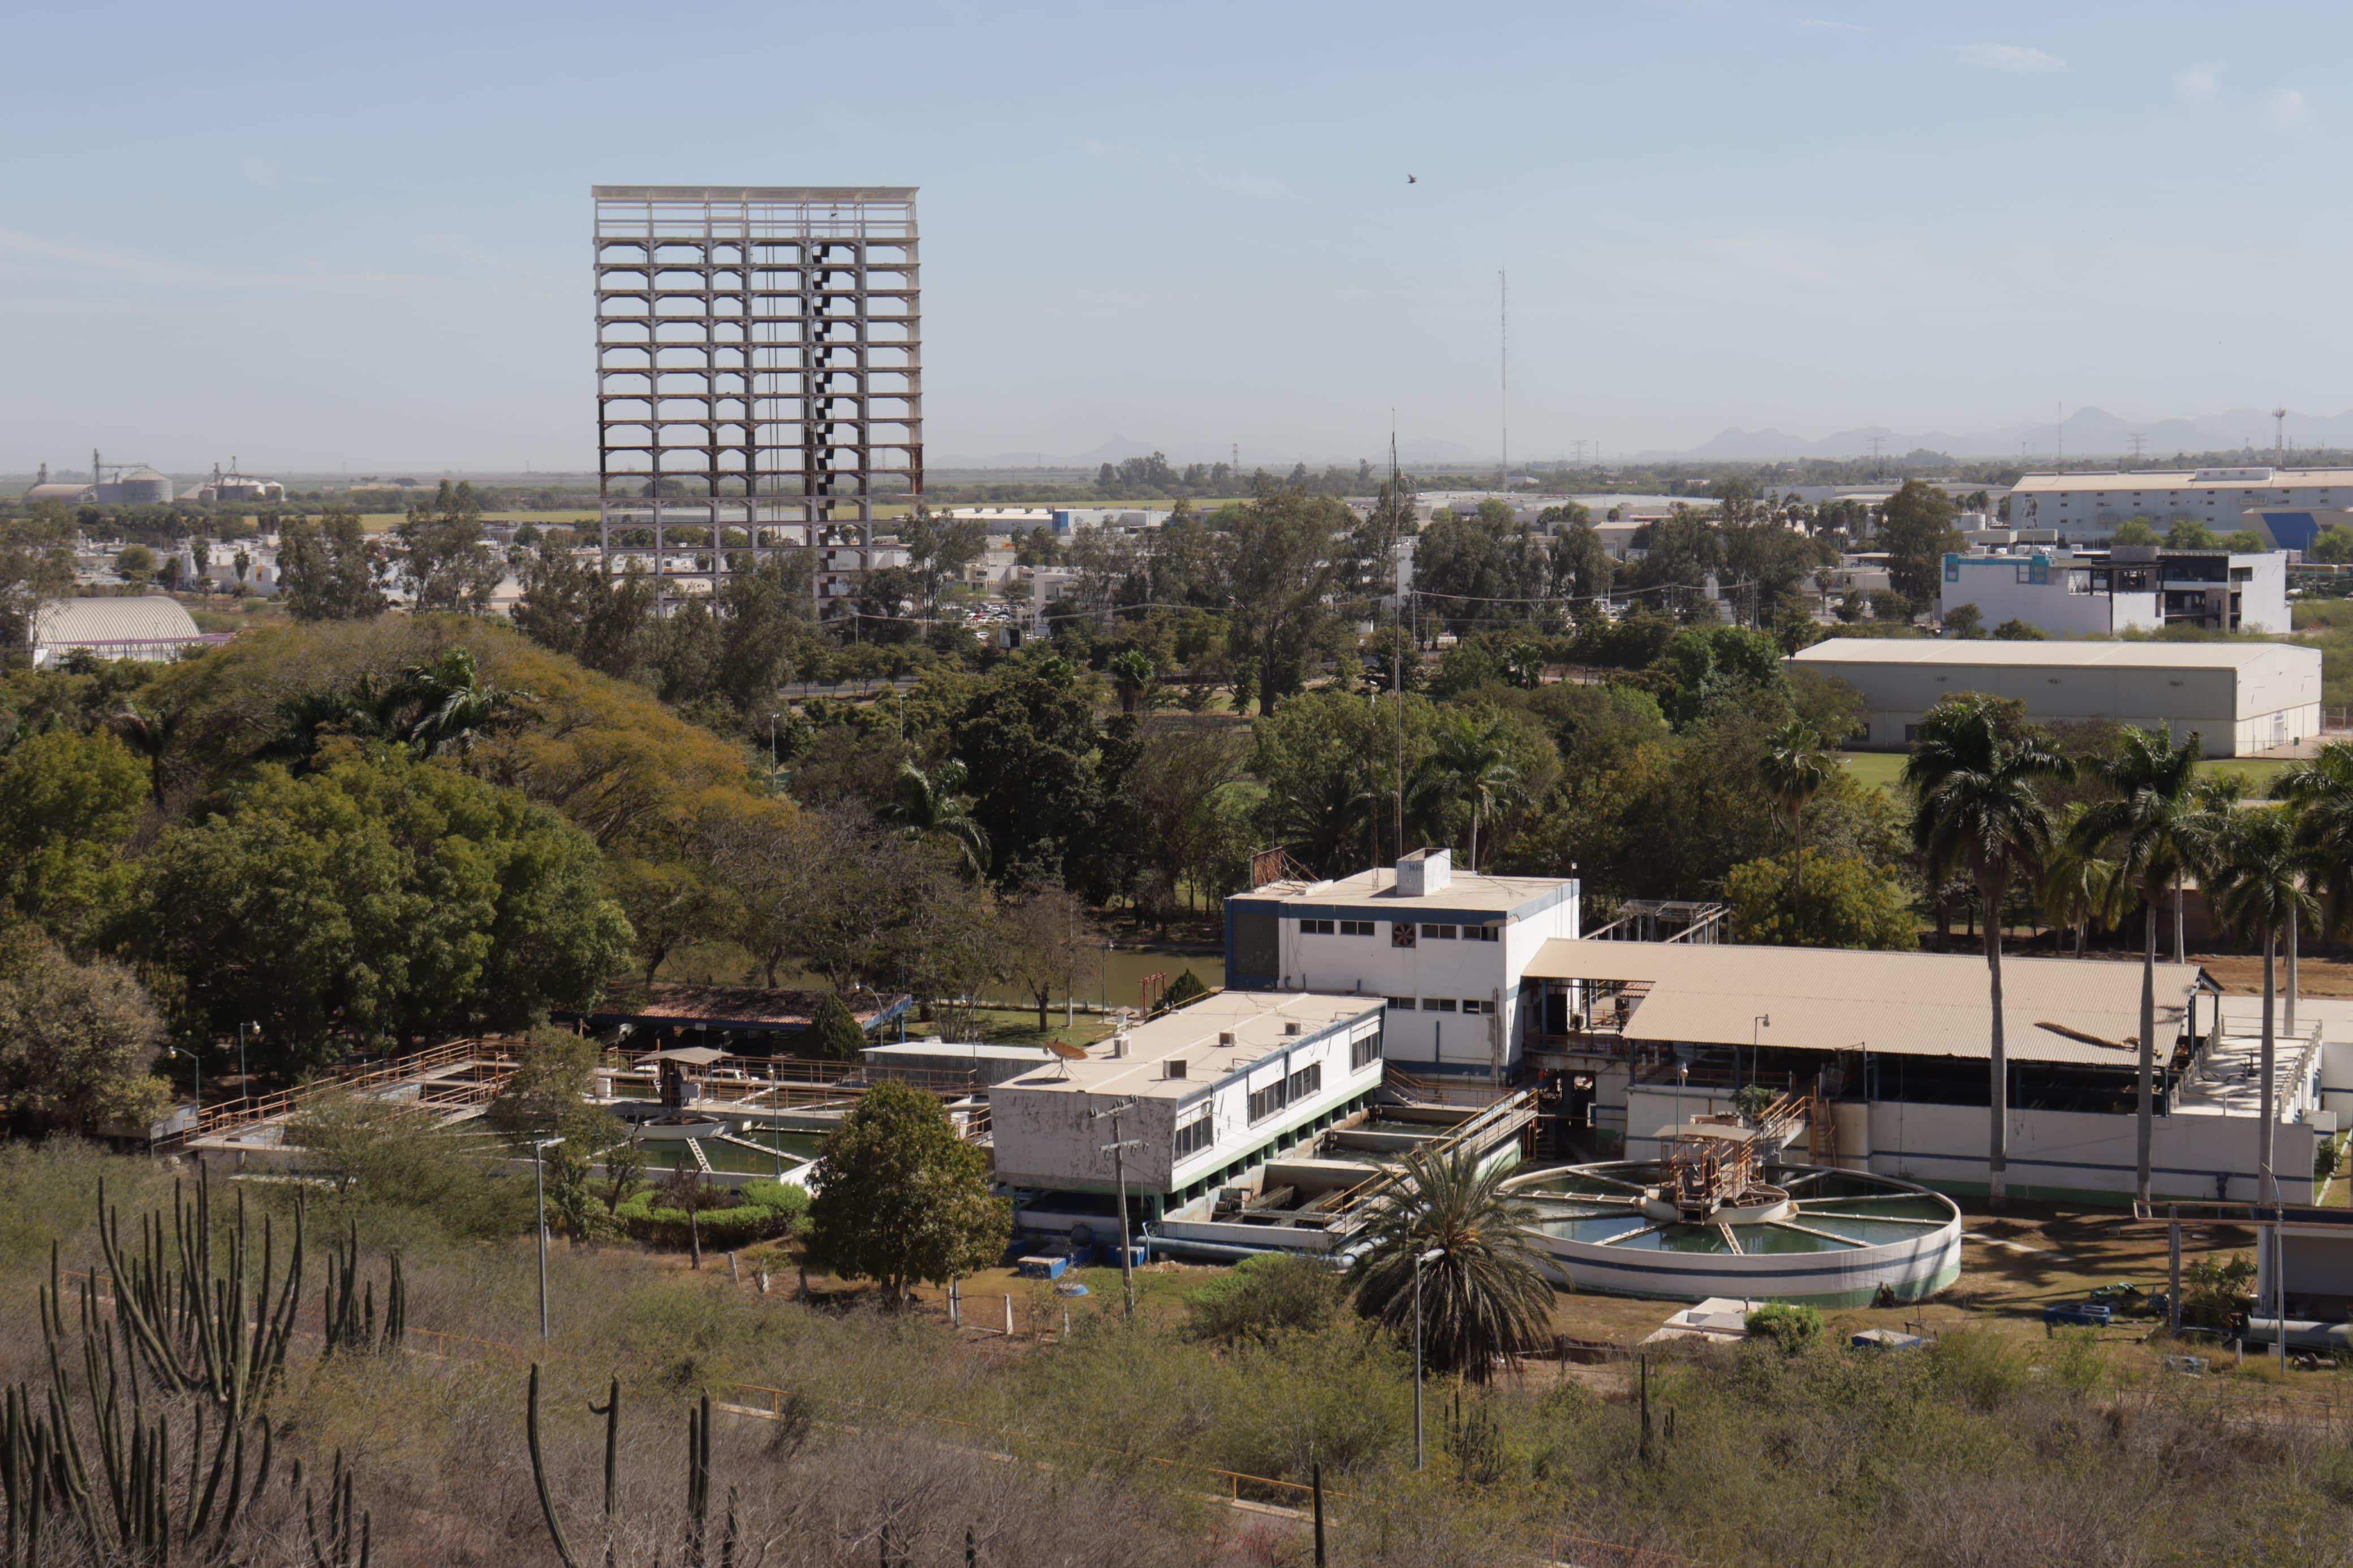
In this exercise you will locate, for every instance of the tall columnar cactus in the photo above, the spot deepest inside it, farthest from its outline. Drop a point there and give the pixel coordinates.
(194, 1326)
(349, 1315)
(109, 1498)
(698, 1481)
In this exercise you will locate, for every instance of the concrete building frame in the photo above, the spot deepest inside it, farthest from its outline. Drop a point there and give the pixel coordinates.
(759, 379)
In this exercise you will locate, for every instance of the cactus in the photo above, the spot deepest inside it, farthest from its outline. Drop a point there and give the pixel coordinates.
(349, 1316)
(698, 1481)
(114, 1496)
(196, 1330)
(334, 1549)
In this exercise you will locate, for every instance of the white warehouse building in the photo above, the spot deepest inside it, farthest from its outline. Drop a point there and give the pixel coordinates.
(2241, 699)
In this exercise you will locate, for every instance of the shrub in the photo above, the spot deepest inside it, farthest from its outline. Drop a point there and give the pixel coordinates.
(1265, 1297)
(834, 1033)
(1791, 1327)
(761, 1211)
(1186, 987)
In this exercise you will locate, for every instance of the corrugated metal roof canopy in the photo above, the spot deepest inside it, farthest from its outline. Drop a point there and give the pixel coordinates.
(91, 622)
(1910, 1004)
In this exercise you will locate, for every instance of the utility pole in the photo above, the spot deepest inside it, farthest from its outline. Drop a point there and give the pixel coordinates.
(1504, 368)
(1397, 644)
(1117, 1148)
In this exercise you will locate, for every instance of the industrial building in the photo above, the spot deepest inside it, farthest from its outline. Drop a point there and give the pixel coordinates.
(2099, 593)
(1889, 1053)
(133, 484)
(759, 378)
(2288, 507)
(146, 627)
(1448, 948)
(2241, 699)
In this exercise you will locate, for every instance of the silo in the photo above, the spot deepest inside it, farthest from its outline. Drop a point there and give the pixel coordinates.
(144, 487)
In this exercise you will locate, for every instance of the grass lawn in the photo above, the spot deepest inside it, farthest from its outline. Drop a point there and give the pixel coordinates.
(1883, 768)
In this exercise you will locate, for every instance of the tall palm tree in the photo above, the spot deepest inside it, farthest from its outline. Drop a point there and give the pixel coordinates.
(2256, 882)
(152, 735)
(1485, 1298)
(444, 704)
(2320, 789)
(2158, 825)
(1979, 811)
(1323, 817)
(1797, 768)
(1467, 767)
(2080, 891)
(935, 802)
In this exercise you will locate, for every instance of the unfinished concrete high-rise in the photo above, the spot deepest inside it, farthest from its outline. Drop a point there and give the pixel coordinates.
(759, 379)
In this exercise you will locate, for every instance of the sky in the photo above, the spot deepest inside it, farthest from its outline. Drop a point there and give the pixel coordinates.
(319, 237)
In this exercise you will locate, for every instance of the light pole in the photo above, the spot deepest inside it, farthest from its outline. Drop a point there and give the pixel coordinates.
(243, 1081)
(1117, 1150)
(1682, 1077)
(196, 1061)
(1762, 1021)
(1432, 1255)
(539, 1185)
(776, 1122)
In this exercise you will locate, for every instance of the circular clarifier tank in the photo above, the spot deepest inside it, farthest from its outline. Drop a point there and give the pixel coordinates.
(1799, 1232)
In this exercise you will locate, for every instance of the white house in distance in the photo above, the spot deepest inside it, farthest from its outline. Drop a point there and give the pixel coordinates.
(1448, 948)
(2241, 698)
(2099, 593)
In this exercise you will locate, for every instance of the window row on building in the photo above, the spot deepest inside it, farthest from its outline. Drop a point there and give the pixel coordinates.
(1305, 1082)
(1441, 1004)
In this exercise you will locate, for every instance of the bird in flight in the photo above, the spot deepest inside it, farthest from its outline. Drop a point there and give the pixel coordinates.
(1411, 180)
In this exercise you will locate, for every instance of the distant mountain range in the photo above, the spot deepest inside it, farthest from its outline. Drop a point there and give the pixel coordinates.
(2088, 432)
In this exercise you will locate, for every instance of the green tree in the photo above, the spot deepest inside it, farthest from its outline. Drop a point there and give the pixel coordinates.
(69, 804)
(1028, 738)
(1485, 1298)
(1704, 664)
(1796, 767)
(834, 1034)
(2016, 630)
(76, 1041)
(1964, 621)
(1916, 533)
(1265, 1298)
(1282, 553)
(36, 564)
(445, 561)
(2081, 891)
(2189, 534)
(1047, 940)
(1468, 770)
(135, 563)
(2320, 790)
(901, 1199)
(327, 570)
(2155, 825)
(1848, 903)
(2134, 531)
(1979, 811)
(933, 802)
(1131, 671)
(2245, 542)
(2256, 880)
(379, 898)
(574, 607)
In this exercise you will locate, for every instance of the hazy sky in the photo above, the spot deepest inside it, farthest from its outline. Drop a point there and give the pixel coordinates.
(325, 234)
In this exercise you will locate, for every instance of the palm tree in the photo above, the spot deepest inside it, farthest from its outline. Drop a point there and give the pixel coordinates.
(1466, 767)
(1322, 818)
(2079, 890)
(1797, 769)
(444, 705)
(1131, 669)
(1486, 1298)
(152, 735)
(2320, 789)
(2158, 825)
(1978, 810)
(935, 802)
(2257, 886)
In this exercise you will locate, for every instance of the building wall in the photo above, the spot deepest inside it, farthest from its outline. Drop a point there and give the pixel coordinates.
(1433, 969)
(2054, 1153)
(2230, 707)
(1046, 1135)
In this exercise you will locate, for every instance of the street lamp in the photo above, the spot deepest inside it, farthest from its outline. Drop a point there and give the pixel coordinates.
(244, 1083)
(1682, 1077)
(1764, 1021)
(539, 1185)
(197, 1062)
(1432, 1255)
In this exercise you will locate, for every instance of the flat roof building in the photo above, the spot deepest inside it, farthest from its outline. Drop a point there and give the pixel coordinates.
(2241, 698)
(1447, 946)
(2099, 593)
(2288, 507)
(1211, 1088)
(1889, 1056)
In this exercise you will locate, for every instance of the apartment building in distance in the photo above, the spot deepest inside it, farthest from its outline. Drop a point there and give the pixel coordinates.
(2288, 507)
